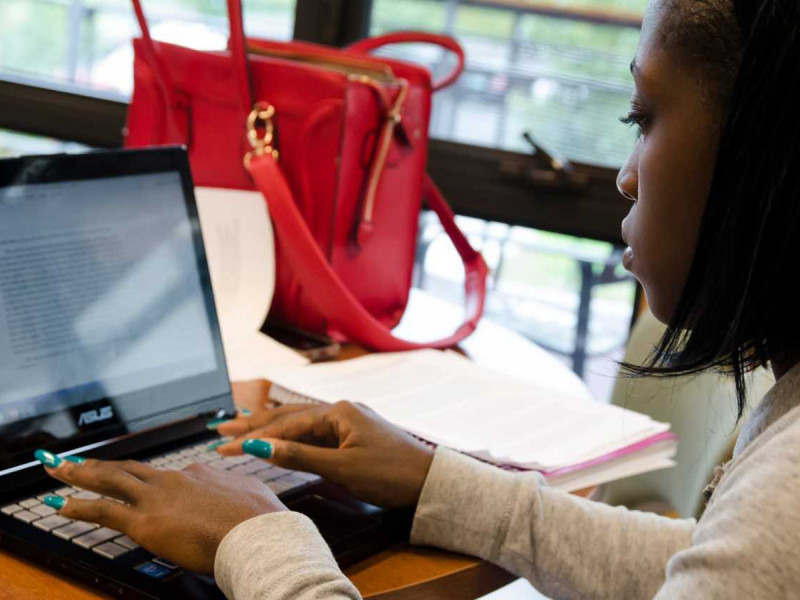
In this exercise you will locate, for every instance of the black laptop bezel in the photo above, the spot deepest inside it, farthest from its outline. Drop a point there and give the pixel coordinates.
(114, 441)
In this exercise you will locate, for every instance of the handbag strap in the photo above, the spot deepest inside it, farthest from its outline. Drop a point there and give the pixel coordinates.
(160, 72)
(417, 37)
(327, 291)
(237, 46)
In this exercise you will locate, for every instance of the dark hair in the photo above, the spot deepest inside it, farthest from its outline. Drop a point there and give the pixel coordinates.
(738, 307)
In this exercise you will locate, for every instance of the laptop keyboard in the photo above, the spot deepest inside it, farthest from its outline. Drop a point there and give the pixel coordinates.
(113, 544)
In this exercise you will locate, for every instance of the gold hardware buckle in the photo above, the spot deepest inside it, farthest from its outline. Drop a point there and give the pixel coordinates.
(261, 131)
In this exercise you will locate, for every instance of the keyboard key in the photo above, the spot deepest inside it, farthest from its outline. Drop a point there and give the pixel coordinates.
(52, 522)
(43, 510)
(205, 457)
(11, 509)
(26, 516)
(65, 491)
(41, 497)
(30, 502)
(248, 468)
(126, 542)
(307, 477)
(279, 485)
(110, 550)
(232, 461)
(294, 480)
(87, 495)
(271, 473)
(75, 529)
(154, 570)
(93, 538)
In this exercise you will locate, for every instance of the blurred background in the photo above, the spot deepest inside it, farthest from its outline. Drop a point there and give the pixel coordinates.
(543, 79)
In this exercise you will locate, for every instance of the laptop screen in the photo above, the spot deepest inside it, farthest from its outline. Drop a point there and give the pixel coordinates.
(107, 323)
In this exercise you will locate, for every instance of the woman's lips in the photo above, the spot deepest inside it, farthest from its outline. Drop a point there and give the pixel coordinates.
(627, 255)
(627, 258)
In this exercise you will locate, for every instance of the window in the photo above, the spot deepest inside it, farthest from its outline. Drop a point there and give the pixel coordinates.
(87, 43)
(20, 144)
(569, 295)
(562, 79)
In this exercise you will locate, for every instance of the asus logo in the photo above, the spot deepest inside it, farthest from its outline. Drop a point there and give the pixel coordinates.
(93, 416)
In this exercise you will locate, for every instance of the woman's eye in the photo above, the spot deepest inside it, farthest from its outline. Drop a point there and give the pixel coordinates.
(638, 119)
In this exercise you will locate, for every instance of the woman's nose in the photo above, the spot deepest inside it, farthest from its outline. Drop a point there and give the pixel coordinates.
(628, 183)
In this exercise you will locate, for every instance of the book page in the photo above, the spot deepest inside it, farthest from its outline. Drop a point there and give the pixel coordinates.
(448, 400)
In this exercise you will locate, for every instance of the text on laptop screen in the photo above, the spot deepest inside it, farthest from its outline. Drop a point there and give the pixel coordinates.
(101, 298)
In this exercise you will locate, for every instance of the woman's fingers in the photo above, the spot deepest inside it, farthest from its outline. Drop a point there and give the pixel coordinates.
(326, 462)
(250, 394)
(102, 477)
(303, 421)
(106, 513)
(242, 425)
(292, 426)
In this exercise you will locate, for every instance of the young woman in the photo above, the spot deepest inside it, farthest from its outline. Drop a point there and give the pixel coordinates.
(713, 231)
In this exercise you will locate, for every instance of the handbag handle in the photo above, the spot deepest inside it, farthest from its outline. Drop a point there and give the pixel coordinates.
(161, 74)
(417, 37)
(329, 293)
(238, 48)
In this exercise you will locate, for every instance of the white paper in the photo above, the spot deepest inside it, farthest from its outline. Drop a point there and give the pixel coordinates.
(446, 399)
(428, 318)
(237, 234)
(239, 243)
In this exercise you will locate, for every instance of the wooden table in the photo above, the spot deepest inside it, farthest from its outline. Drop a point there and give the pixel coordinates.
(401, 572)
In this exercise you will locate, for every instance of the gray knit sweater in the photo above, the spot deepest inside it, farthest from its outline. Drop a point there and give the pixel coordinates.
(744, 546)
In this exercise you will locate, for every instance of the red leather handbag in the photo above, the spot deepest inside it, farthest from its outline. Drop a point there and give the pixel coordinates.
(336, 140)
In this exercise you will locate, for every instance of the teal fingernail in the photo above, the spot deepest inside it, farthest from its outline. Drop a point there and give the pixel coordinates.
(214, 423)
(244, 412)
(258, 448)
(48, 459)
(214, 445)
(78, 460)
(56, 502)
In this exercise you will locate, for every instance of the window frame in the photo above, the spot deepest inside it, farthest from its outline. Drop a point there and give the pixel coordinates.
(518, 185)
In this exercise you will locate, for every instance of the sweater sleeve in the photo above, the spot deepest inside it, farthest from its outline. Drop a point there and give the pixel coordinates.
(279, 556)
(744, 545)
(567, 547)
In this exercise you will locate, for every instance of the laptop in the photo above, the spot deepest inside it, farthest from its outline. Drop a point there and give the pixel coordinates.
(110, 348)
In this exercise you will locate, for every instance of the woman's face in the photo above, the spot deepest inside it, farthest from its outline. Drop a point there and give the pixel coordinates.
(668, 174)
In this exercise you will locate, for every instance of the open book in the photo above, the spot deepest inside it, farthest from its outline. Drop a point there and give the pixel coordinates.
(445, 399)
(440, 397)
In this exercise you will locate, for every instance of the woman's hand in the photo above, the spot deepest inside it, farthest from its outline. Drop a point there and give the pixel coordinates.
(179, 515)
(345, 443)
